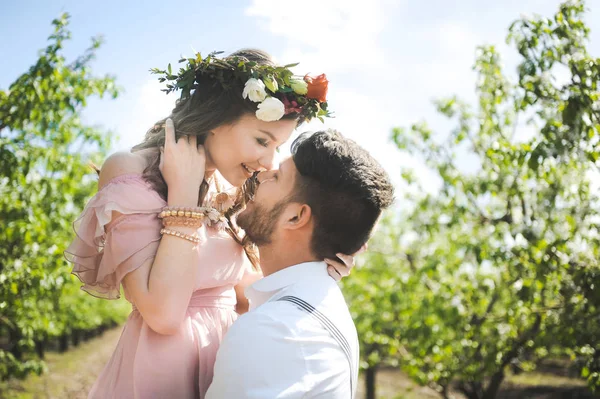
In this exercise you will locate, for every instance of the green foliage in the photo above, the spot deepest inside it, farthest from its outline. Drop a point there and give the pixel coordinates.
(500, 267)
(44, 184)
(375, 300)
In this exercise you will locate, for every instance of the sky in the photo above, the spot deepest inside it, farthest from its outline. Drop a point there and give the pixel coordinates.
(386, 60)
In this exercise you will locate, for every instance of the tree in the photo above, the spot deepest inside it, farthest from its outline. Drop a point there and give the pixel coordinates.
(44, 183)
(376, 303)
(499, 269)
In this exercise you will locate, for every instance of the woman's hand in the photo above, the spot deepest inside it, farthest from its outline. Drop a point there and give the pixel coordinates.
(337, 270)
(182, 164)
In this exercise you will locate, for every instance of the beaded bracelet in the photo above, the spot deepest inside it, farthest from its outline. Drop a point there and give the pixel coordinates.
(193, 238)
(196, 213)
(182, 221)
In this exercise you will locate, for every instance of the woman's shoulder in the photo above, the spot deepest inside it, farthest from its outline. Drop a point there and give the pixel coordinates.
(119, 164)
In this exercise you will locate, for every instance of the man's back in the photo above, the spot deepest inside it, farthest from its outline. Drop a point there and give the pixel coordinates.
(297, 341)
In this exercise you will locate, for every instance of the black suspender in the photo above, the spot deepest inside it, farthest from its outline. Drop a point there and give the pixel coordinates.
(330, 327)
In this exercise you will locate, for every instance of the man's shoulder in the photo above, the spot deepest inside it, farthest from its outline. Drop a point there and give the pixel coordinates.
(323, 295)
(267, 322)
(256, 319)
(322, 301)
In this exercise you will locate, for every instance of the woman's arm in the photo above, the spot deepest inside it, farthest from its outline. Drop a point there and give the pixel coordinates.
(161, 288)
(249, 278)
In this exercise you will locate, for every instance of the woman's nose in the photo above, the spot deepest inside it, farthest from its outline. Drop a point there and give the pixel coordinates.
(267, 162)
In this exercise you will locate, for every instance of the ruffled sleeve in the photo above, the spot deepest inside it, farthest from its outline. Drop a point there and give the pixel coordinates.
(105, 250)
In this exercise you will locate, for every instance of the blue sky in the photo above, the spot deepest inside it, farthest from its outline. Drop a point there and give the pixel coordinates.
(386, 60)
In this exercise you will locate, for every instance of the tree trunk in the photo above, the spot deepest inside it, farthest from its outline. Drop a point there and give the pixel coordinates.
(14, 337)
(492, 390)
(63, 343)
(370, 381)
(40, 348)
(446, 391)
(76, 337)
(470, 390)
(494, 385)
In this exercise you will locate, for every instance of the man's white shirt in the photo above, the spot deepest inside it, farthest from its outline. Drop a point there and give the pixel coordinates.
(297, 341)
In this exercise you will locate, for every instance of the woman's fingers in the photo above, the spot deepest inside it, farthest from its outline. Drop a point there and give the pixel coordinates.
(169, 134)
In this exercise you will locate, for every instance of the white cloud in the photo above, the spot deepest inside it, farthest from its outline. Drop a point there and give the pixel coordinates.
(150, 105)
(444, 66)
(326, 34)
(457, 38)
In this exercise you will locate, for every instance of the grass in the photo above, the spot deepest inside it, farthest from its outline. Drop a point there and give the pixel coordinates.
(392, 384)
(544, 379)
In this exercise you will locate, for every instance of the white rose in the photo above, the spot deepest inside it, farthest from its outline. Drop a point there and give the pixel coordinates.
(255, 89)
(270, 110)
(299, 86)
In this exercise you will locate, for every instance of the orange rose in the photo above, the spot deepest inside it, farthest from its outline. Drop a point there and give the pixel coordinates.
(317, 87)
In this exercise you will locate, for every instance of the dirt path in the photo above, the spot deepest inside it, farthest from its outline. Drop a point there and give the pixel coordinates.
(70, 375)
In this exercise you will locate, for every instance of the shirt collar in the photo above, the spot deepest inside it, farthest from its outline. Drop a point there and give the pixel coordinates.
(264, 289)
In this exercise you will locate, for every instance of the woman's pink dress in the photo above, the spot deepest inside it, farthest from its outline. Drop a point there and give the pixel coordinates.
(146, 364)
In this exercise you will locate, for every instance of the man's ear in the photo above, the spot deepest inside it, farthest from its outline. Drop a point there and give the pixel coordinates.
(297, 216)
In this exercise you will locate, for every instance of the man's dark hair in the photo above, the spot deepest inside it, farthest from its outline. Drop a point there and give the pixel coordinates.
(345, 187)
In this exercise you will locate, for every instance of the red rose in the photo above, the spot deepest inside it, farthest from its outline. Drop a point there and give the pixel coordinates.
(317, 87)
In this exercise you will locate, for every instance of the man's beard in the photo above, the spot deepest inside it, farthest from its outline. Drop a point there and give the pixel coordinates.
(259, 222)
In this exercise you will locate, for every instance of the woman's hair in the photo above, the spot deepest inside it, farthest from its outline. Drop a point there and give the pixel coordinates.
(211, 105)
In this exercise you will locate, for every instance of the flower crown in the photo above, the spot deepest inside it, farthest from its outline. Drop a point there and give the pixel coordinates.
(276, 89)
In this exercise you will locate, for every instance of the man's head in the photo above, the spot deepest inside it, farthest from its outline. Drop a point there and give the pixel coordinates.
(329, 195)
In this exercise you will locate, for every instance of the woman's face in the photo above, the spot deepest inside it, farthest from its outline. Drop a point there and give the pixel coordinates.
(239, 149)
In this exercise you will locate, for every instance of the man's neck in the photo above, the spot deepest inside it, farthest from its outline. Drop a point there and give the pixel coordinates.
(274, 259)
